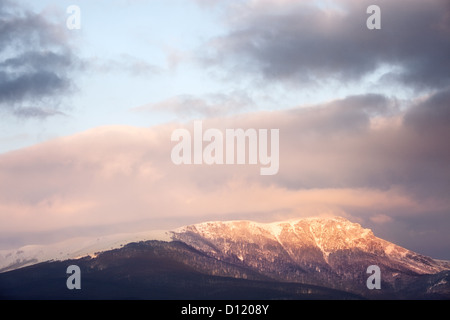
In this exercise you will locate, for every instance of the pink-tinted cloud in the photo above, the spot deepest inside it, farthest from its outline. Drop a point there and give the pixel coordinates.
(360, 157)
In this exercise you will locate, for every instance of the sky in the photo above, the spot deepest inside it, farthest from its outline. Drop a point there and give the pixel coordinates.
(87, 115)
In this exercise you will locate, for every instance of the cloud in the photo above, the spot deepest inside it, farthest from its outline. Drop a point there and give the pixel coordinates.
(432, 113)
(339, 146)
(377, 164)
(311, 42)
(124, 63)
(37, 113)
(36, 63)
(210, 105)
(381, 218)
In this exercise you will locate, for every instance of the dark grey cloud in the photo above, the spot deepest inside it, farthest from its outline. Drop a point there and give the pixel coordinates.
(36, 63)
(302, 42)
(37, 113)
(368, 141)
(350, 115)
(431, 114)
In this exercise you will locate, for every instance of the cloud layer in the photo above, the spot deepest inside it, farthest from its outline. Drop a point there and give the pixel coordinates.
(361, 157)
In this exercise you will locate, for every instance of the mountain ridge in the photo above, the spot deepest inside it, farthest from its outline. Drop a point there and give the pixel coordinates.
(302, 258)
(331, 252)
(326, 242)
(89, 246)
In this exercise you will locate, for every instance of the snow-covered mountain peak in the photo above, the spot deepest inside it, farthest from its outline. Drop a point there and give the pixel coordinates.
(329, 252)
(308, 243)
(314, 241)
(72, 248)
(329, 232)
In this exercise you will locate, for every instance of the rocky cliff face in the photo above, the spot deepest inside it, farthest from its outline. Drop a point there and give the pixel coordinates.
(331, 252)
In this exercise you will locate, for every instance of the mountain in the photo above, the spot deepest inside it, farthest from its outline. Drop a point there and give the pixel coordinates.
(73, 248)
(330, 252)
(313, 258)
(154, 270)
